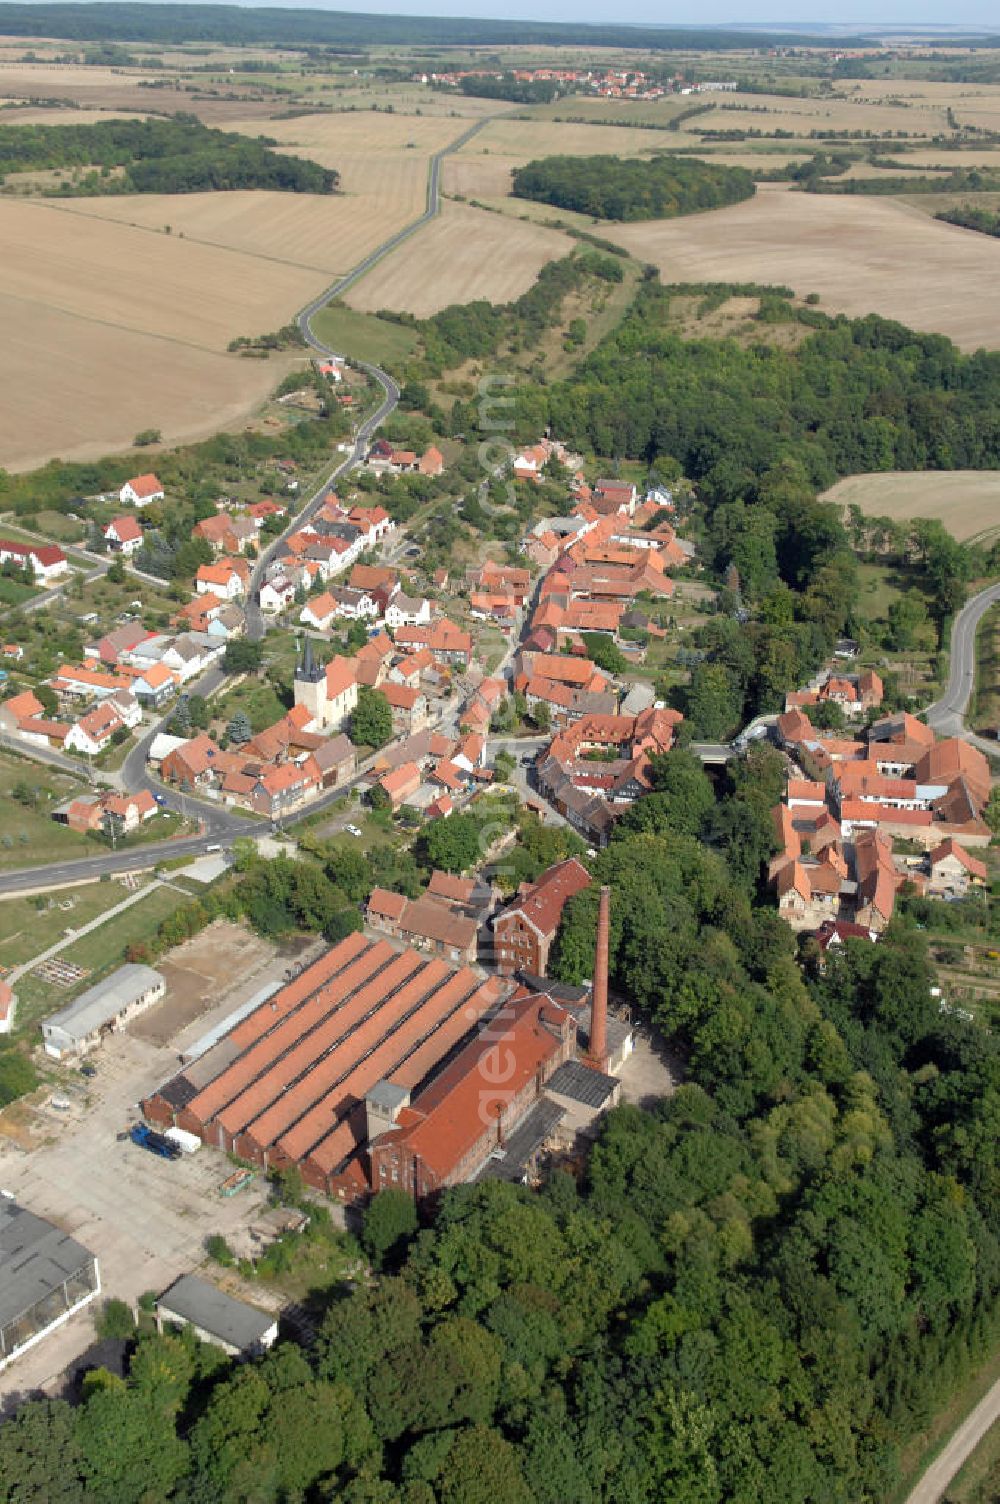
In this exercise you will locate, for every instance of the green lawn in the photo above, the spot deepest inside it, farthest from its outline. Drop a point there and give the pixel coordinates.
(363, 336)
(97, 954)
(30, 925)
(261, 702)
(13, 593)
(28, 835)
(986, 702)
(60, 527)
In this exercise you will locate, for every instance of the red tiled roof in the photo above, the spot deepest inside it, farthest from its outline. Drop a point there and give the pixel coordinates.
(543, 903)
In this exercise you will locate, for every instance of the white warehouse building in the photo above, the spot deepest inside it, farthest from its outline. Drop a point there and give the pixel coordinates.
(103, 1009)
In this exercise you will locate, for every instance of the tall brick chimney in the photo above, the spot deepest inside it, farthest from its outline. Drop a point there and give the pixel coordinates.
(599, 996)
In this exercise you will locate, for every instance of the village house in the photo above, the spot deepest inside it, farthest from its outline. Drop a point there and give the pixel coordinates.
(952, 871)
(154, 685)
(450, 645)
(226, 534)
(123, 535)
(141, 491)
(431, 922)
(114, 646)
(45, 561)
(374, 661)
(276, 595)
(408, 705)
(87, 683)
(407, 611)
(227, 578)
(401, 784)
(95, 731)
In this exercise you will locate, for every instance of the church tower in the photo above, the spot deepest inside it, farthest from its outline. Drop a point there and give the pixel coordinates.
(310, 683)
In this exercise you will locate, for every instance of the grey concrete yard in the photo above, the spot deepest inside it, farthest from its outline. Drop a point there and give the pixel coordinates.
(145, 1218)
(650, 1071)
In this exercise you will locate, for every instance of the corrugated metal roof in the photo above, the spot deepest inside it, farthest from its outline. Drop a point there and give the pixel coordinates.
(102, 1002)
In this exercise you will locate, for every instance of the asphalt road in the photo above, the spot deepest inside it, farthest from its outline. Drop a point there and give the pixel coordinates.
(947, 715)
(256, 625)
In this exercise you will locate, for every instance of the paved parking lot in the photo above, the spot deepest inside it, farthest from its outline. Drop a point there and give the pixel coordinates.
(144, 1217)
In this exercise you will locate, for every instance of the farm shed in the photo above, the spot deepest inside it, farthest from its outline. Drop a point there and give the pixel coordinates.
(239, 1329)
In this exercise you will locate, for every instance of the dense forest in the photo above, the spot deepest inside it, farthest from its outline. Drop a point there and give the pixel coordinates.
(752, 1293)
(175, 155)
(972, 217)
(518, 91)
(631, 188)
(242, 25)
(858, 394)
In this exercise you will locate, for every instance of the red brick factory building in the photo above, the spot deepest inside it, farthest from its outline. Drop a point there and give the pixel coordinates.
(382, 1066)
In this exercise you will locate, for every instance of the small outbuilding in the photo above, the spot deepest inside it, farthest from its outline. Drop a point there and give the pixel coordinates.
(103, 1009)
(239, 1329)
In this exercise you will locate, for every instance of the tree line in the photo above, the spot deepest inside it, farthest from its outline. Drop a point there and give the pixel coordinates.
(972, 217)
(630, 188)
(174, 155)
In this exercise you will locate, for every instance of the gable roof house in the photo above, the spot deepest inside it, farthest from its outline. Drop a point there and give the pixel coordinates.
(141, 490)
(123, 535)
(226, 578)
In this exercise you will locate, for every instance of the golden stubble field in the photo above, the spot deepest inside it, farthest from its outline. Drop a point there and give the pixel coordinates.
(464, 254)
(862, 255)
(78, 389)
(112, 325)
(966, 501)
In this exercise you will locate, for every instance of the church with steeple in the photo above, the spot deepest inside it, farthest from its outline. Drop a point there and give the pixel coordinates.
(328, 692)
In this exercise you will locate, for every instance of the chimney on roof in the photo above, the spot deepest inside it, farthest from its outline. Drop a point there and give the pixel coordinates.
(598, 1044)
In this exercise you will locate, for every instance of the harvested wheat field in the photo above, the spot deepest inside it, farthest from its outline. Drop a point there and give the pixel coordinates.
(861, 255)
(966, 501)
(477, 177)
(155, 284)
(462, 255)
(31, 114)
(522, 140)
(109, 329)
(80, 389)
(771, 112)
(309, 231)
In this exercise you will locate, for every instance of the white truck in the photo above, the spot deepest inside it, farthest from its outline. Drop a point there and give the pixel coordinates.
(188, 1143)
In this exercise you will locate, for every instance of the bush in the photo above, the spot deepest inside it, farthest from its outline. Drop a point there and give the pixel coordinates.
(115, 1321)
(17, 1076)
(218, 1249)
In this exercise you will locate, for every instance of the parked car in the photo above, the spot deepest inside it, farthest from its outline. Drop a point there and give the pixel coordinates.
(352, 830)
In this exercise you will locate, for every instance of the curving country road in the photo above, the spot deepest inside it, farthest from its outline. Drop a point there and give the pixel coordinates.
(219, 823)
(947, 715)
